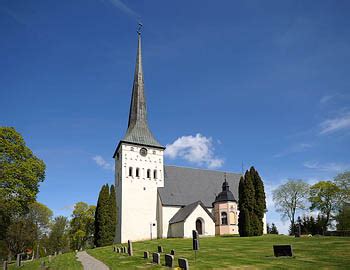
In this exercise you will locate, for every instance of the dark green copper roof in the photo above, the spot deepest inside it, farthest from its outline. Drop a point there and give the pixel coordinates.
(138, 131)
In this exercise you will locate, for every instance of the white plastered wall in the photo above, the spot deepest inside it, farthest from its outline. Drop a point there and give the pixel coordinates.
(137, 196)
(190, 223)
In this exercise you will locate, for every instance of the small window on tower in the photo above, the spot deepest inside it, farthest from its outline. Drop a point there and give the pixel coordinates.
(223, 218)
(137, 172)
(155, 174)
(130, 171)
(148, 173)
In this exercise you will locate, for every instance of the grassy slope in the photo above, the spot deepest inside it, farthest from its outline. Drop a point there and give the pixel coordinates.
(231, 252)
(65, 261)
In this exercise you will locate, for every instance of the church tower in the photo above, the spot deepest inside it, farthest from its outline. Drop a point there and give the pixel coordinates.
(138, 169)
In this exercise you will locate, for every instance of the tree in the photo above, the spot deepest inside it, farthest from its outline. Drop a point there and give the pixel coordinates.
(289, 198)
(58, 239)
(113, 213)
(259, 202)
(40, 215)
(342, 181)
(82, 225)
(273, 229)
(103, 230)
(324, 196)
(20, 175)
(247, 218)
(343, 218)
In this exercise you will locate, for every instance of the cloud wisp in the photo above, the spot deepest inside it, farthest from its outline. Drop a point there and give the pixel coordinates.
(327, 167)
(124, 8)
(332, 125)
(100, 161)
(196, 149)
(296, 148)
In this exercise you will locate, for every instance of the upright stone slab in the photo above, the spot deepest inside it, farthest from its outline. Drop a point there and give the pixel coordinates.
(172, 252)
(282, 250)
(183, 263)
(118, 250)
(56, 253)
(114, 249)
(160, 249)
(124, 249)
(18, 260)
(60, 252)
(130, 251)
(156, 258)
(169, 260)
(5, 266)
(145, 254)
(50, 257)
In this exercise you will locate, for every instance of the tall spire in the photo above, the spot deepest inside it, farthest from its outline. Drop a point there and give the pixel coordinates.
(138, 131)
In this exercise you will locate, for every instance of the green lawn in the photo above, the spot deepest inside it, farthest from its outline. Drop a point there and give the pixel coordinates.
(235, 252)
(65, 261)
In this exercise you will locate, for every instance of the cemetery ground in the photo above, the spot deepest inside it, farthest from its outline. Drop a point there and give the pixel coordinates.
(229, 252)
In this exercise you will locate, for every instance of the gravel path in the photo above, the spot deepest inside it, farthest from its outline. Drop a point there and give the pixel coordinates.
(89, 262)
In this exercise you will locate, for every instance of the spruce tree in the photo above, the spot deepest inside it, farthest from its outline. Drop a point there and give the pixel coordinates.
(102, 218)
(113, 213)
(241, 208)
(259, 202)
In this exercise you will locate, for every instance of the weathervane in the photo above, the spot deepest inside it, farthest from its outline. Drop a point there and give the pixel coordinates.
(139, 28)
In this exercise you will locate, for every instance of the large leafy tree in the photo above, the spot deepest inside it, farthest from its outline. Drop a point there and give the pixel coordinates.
(343, 218)
(289, 198)
(58, 237)
(82, 225)
(324, 196)
(342, 181)
(20, 175)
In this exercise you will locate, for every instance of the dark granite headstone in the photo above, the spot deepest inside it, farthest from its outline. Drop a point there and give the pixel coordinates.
(172, 252)
(130, 251)
(118, 250)
(124, 250)
(183, 263)
(160, 249)
(156, 258)
(169, 260)
(282, 250)
(145, 254)
(5, 266)
(195, 240)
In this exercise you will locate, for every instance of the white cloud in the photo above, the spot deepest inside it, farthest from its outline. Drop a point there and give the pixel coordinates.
(335, 124)
(195, 149)
(124, 8)
(328, 167)
(100, 161)
(296, 148)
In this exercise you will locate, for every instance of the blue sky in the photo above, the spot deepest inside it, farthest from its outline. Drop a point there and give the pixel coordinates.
(265, 83)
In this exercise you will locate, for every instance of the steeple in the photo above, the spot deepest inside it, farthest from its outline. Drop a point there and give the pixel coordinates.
(138, 131)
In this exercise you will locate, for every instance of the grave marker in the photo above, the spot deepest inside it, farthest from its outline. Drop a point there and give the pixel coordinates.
(5, 266)
(130, 251)
(183, 263)
(160, 249)
(145, 254)
(156, 258)
(282, 250)
(172, 252)
(18, 260)
(169, 260)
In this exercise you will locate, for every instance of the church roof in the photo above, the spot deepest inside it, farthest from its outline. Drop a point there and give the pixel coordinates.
(138, 131)
(225, 195)
(183, 185)
(184, 212)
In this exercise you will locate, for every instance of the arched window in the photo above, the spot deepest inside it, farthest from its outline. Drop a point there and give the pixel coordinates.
(137, 172)
(223, 218)
(148, 173)
(155, 174)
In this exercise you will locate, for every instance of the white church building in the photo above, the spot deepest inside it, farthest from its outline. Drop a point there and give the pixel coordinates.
(159, 201)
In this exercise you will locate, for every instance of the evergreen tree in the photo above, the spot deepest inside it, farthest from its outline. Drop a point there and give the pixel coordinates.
(102, 218)
(113, 214)
(259, 203)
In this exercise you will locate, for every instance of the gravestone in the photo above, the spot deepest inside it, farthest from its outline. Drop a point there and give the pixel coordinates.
(183, 263)
(172, 252)
(195, 240)
(130, 251)
(124, 249)
(5, 266)
(160, 249)
(118, 250)
(145, 254)
(50, 257)
(60, 252)
(156, 258)
(114, 249)
(18, 260)
(169, 260)
(282, 250)
(56, 252)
